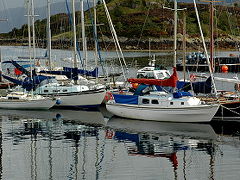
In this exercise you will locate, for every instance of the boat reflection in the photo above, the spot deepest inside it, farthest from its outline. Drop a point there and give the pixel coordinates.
(67, 146)
(161, 139)
(53, 136)
(94, 118)
(190, 130)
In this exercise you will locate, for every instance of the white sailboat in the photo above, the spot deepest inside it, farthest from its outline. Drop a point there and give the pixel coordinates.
(23, 100)
(71, 95)
(161, 106)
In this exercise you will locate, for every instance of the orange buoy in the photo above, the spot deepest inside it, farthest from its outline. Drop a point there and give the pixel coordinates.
(135, 85)
(224, 68)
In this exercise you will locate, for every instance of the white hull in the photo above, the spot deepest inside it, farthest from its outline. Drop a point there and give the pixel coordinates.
(200, 113)
(41, 104)
(84, 99)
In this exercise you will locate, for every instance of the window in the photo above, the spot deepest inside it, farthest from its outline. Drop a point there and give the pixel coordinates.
(45, 91)
(171, 103)
(154, 101)
(65, 90)
(56, 90)
(182, 103)
(13, 97)
(145, 101)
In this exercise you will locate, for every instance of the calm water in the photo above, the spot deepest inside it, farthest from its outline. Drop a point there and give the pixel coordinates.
(75, 145)
(70, 144)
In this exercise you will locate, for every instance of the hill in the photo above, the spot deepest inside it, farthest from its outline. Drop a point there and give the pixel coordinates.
(137, 21)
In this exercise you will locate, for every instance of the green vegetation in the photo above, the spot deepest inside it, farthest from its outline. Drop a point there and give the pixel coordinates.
(141, 18)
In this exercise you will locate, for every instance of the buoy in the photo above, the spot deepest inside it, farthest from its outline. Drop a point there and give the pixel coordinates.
(135, 85)
(224, 68)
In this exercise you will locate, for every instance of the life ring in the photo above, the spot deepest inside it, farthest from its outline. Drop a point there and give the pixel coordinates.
(108, 96)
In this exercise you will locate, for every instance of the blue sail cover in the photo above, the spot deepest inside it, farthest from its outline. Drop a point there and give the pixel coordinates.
(28, 83)
(125, 99)
(93, 73)
(19, 67)
(72, 73)
(204, 87)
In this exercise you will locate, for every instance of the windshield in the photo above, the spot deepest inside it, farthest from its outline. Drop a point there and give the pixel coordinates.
(162, 75)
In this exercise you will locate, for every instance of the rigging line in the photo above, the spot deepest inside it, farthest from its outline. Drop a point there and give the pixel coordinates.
(205, 48)
(145, 21)
(95, 37)
(230, 109)
(71, 23)
(116, 38)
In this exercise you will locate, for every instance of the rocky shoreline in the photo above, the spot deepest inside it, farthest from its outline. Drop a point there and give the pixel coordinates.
(160, 44)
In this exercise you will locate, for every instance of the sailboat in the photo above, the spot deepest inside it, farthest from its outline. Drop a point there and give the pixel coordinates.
(26, 100)
(148, 103)
(71, 94)
(74, 95)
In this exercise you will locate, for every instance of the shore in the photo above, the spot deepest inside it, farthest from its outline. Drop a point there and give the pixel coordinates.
(161, 44)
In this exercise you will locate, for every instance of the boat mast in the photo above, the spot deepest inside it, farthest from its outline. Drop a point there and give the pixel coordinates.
(184, 45)
(175, 30)
(175, 34)
(83, 36)
(212, 35)
(205, 48)
(49, 45)
(74, 37)
(114, 34)
(0, 65)
(1, 57)
(95, 32)
(29, 33)
(33, 32)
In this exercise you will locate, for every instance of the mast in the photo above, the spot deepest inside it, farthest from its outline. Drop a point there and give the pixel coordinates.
(114, 34)
(1, 57)
(175, 34)
(0, 65)
(212, 36)
(74, 37)
(29, 32)
(33, 31)
(49, 45)
(205, 48)
(95, 32)
(84, 42)
(175, 30)
(184, 45)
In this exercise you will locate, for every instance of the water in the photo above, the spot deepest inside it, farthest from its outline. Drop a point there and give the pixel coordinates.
(70, 144)
(77, 144)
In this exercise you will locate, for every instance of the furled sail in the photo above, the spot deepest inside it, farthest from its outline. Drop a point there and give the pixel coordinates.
(171, 82)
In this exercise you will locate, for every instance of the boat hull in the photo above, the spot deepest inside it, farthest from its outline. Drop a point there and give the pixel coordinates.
(42, 104)
(83, 100)
(201, 113)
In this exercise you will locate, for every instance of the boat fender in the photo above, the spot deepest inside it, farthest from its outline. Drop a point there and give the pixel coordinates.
(58, 101)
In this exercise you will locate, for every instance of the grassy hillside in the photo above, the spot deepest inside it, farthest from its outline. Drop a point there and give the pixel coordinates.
(141, 18)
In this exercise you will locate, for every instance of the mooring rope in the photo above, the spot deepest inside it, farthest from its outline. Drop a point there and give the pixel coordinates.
(230, 109)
